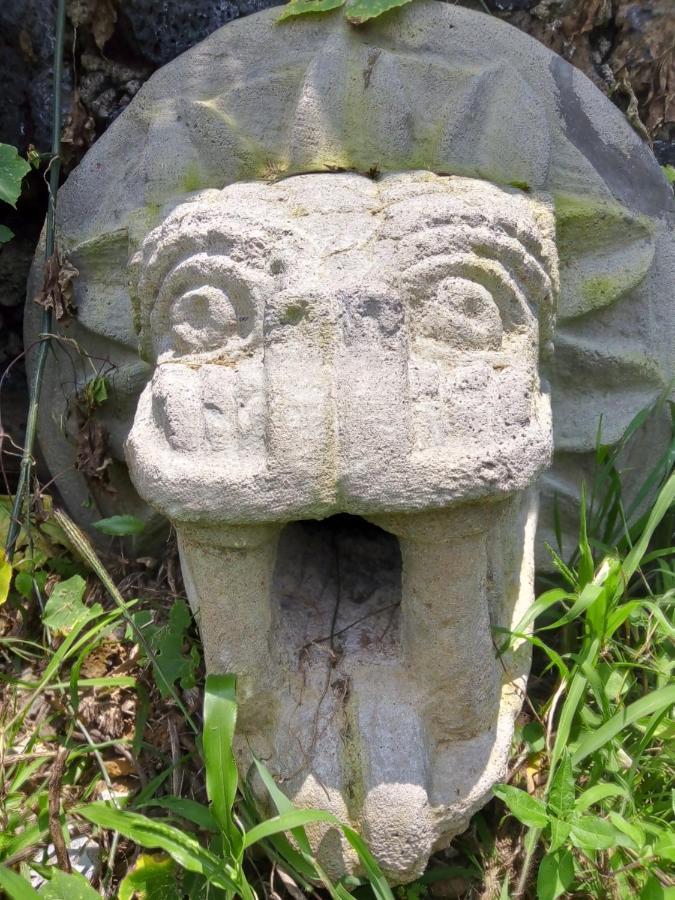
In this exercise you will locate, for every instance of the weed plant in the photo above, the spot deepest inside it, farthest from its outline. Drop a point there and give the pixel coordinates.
(587, 811)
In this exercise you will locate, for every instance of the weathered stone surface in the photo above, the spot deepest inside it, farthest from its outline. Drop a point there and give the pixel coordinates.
(377, 342)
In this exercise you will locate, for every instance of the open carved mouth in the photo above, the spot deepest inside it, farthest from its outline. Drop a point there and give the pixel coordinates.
(364, 357)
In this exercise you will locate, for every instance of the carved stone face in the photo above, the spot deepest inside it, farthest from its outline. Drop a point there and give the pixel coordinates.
(333, 344)
(329, 345)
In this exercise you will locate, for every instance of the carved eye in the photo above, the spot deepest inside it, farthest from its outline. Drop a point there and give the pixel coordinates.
(463, 315)
(208, 318)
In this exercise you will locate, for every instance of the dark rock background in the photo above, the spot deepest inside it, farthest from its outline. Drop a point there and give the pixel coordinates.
(627, 47)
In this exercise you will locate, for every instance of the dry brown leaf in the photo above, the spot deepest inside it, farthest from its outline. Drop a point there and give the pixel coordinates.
(56, 292)
(92, 458)
(119, 768)
(103, 22)
(79, 131)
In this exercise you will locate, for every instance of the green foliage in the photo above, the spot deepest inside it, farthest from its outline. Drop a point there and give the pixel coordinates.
(63, 886)
(606, 806)
(13, 168)
(65, 609)
(165, 643)
(152, 878)
(356, 11)
(120, 526)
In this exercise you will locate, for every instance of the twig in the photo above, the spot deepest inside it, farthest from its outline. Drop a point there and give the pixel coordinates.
(335, 634)
(23, 485)
(55, 776)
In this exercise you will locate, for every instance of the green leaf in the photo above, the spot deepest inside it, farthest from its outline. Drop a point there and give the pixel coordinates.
(64, 610)
(220, 718)
(652, 703)
(556, 874)
(560, 831)
(533, 735)
(5, 576)
(119, 526)
(301, 7)
(23, 584)
(296, 818)
(378, 882)
(669, 172)
(359, 11)
(653, 890)
(71, 886)
(152, 878)
(12, 170)
(661, 506)
(598, 793)
(15, 886)
(561, 794)
(6, 234)
(166, 642)
(188, 809)
(665, 846)
(592, 833)
(529, 810)
(153, 834)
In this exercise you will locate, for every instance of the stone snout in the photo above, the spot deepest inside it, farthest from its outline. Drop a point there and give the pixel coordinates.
(330, 345)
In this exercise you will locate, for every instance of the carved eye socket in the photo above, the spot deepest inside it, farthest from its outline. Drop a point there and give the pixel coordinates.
(208, 318)
(461, 314)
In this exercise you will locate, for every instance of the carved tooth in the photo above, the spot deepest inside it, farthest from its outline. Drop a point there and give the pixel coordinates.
(233, 566)
(445, 621)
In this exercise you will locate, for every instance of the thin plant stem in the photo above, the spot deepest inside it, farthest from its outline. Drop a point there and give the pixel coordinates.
(23, 485)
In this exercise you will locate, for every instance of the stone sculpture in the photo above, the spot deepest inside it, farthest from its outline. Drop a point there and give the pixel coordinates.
(374, 343)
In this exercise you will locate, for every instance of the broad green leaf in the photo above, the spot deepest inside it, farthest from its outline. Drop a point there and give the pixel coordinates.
(23, 583)
(669, 172)
(591, 833)
(533, 735)
(5, 576)
(12, 170)
(597, 794)
(561, 794)
(635, 834)
(652, 703)
(220, 718)
(166, 642)
(301, 7)
(529, 810)
(296, 818)
(654, 890)
(665, 846)
(65, 609)
(63, 886)
(188, 809)
(548, 599)
(15, 886)
(119, 526)
(359, 11)
(6, 234)
(556, 874)
(153, 834)
(151, 878)
(560, 831)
